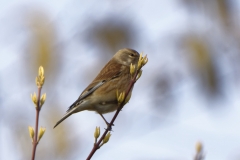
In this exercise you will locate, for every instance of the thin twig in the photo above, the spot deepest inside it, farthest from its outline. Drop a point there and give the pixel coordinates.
(97, 145)
(35, 142)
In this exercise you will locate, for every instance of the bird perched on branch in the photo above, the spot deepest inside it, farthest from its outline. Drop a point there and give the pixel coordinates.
(100, 95)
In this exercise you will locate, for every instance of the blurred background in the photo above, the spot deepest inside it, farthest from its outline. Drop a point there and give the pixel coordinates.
(188, 93)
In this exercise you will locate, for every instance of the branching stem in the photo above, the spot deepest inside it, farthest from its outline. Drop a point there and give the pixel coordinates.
(35, 141)
(97, 145)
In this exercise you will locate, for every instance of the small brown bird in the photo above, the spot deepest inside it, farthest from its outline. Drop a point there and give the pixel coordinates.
(100, 95)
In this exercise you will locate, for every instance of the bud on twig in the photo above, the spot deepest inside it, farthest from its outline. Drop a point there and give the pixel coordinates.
(145, 60)
(42, 100)
(199, 147)
(199, 151)
(96, 133)
(121, 97)
(40, 78)
(128, 98)
(139, 75)
(105, 139)
(132, 69)
(40, 71)
(34, 98)
(140, 61)
(41, 133)
(31, 132)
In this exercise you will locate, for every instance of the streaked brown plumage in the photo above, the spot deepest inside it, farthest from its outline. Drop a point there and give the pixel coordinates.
(100, 95)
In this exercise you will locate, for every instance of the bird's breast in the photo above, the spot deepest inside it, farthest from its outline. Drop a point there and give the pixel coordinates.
(105, 97)
(105, 107)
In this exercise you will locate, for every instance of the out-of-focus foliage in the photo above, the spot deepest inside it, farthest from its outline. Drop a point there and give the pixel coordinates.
(41, 49)
(111, 34)
(203, 65)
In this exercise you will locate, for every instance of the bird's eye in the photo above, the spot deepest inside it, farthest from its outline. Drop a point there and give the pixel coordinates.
(132, 55)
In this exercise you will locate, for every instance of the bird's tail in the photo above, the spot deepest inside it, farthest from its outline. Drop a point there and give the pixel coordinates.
(65, 116)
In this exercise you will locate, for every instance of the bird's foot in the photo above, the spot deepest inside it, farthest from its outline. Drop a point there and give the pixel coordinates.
(109, 127)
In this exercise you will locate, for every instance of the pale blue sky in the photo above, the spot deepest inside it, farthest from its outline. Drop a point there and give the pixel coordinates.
(138, 137)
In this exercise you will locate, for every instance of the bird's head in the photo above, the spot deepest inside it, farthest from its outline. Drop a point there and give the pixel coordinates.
(127, 56)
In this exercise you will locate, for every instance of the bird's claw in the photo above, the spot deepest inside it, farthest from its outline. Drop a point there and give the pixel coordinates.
(109, 127)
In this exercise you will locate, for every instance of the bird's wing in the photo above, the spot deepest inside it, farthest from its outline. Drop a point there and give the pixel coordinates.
(110, 71)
